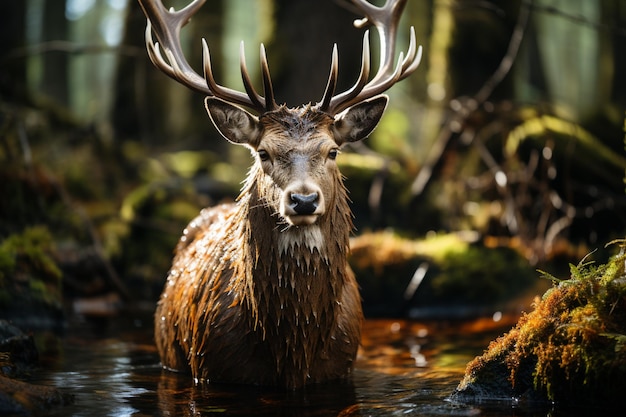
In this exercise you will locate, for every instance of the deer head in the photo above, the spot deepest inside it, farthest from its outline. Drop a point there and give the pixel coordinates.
(295, 148)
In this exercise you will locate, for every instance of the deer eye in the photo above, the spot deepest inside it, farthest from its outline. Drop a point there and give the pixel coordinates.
(263, 155)
(333, 154)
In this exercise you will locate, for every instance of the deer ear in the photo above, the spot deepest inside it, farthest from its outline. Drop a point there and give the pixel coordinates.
(234, 123)
(358, 121)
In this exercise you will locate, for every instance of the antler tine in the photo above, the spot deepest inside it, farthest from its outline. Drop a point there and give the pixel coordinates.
(332, 80)
(268, 90)
(154, 53)
(386, 20)
(413, 56)
(403, 69)
(247, 83)
(348, 95)
(167, 25)
(214, 89)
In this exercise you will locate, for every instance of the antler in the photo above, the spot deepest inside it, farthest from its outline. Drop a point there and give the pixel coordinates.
(385, 19)
(167, 25)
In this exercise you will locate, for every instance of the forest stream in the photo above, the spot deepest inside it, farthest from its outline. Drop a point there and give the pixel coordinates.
(111, 368)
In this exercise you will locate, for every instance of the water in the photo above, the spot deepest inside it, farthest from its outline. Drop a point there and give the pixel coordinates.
(404, 368)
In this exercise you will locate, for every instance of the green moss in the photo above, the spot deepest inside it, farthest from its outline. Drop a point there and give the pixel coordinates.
(572, 348)
(29, 274)
(7, 265)
(48, 294)
(587, 312)
(153, 217)
(33, 247)
(459, 272)
(481, 274)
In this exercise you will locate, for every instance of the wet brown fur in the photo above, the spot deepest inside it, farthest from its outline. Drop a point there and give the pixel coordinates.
(238, 307)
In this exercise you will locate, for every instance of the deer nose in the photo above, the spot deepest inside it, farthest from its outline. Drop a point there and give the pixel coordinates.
(304, 204)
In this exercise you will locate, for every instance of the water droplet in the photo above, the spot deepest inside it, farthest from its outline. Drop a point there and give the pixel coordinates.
(497, 316)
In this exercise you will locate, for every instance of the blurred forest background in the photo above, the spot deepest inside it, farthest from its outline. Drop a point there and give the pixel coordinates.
(502, 153)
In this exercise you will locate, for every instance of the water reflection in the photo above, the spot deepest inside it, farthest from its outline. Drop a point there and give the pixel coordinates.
(403, 369)
(178, 398)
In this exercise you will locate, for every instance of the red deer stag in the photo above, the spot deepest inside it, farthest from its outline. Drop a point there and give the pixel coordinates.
(260, 291)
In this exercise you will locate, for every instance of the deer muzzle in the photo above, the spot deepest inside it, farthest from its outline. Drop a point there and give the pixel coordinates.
(302, 205)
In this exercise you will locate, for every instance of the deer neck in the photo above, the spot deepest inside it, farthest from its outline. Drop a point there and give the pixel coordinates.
(297, 273)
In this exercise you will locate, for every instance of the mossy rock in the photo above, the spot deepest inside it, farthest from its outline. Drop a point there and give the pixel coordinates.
(30, 278)
(22, 398)
(18, 353)
(461, 276)
(153, 217)
(18, 356)
(570, 351)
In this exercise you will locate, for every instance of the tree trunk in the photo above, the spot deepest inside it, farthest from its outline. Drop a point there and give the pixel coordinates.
(305, 33)
(150, 106)
(54, 81)
(12, 54)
